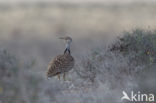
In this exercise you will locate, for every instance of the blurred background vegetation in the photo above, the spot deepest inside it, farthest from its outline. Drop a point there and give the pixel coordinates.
(111, 54)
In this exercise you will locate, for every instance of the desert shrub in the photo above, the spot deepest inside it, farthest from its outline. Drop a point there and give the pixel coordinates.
(8, 64)
(123, 62)
(15, 79)
(8, 77)
(109, 68)
(138, 45)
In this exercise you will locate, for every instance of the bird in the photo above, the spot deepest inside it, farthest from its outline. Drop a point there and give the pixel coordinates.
(62, 63)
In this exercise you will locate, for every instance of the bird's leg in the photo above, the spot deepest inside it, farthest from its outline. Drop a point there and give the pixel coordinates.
(64, 75)
(58, 76)
(69, 51)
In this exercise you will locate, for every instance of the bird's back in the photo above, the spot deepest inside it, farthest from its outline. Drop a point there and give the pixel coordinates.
(60, 64)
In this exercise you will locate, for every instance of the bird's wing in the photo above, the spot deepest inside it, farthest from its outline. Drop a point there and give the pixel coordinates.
(54, 66)
(60, 64)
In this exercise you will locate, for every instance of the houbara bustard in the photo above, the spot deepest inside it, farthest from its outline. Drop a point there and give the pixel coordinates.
(61, 63)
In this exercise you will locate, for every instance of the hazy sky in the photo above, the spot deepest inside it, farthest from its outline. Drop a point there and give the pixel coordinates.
(77, 1)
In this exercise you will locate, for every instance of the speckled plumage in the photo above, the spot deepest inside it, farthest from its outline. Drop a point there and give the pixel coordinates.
(60, 64)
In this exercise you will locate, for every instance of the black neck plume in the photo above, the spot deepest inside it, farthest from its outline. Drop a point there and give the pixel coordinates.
(66, 50)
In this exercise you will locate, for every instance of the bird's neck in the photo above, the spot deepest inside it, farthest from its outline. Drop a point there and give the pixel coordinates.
(68, 45)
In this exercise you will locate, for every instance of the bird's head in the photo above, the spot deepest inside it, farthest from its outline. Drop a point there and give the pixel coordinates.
(68, 41)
